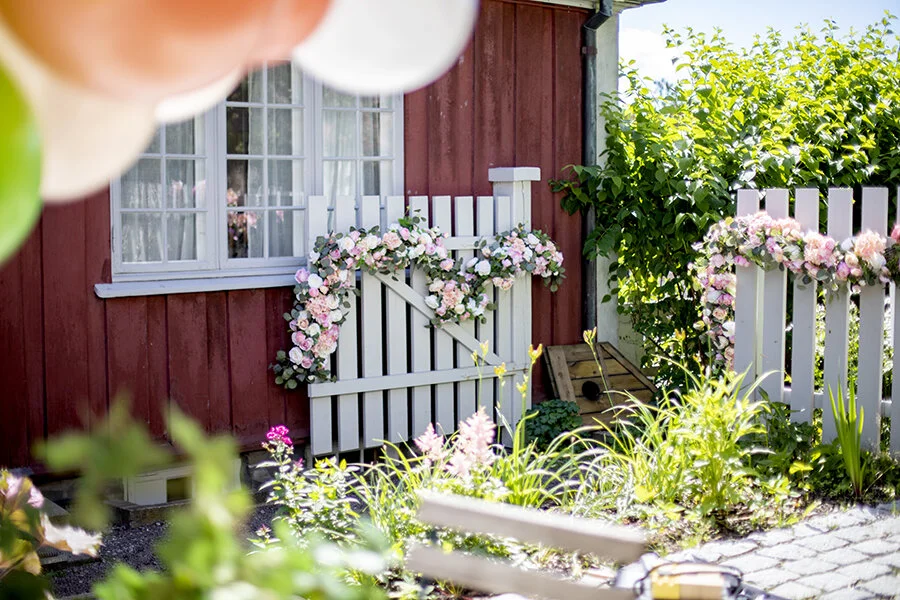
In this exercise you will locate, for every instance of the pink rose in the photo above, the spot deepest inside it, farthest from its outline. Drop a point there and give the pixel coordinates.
(301, 276)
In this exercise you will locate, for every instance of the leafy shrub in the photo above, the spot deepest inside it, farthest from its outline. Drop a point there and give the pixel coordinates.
(812, 111)
(551, 419)
(314, 501)
(203, 554)
(689, 453)
(24, 529)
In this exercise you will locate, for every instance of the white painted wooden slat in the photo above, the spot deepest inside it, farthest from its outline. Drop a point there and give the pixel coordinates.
(837, 310)
(774, 308)
(464, 217)
(445, 408)
(485, 331)
(320, 418)
(495, 577)
(395, 312)
(420, 336)
(372, 334)
(616, 543)
(803, 350)
(871, 325)
(520, 206)
(504, 323)
(895, 389)
(405, 380)
(746, 307)
(346, 354)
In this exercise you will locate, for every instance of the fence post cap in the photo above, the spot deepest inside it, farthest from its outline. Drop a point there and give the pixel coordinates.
(498, 174)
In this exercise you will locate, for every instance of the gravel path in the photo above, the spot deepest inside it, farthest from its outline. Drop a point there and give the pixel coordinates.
(849, 555)
(132, 546)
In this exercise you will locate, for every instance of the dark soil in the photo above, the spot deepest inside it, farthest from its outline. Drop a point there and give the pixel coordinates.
(132, 546)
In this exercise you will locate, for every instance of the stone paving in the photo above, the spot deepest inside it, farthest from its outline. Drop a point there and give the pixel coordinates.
(848, 555)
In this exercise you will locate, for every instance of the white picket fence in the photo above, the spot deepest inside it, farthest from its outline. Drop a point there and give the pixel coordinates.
(761, 319)
(396, 373)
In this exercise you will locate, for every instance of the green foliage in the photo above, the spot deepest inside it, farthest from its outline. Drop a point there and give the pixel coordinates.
(313, 501)
(812, 111)
(204, 554)
(690, 454)
(24, 529)
(551, 419)
(118, 449)
(849, 425)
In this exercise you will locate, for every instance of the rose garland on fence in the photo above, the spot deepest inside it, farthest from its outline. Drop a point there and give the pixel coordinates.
(457, 288)
(865, 259)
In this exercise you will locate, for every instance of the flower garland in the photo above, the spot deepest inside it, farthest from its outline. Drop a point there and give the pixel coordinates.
(865, 259)
(457, 288)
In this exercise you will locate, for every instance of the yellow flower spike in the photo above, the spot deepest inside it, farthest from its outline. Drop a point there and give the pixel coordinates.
(474, 356)
(522, 386)
(589, 336)
(484, 348)
(535, 353)
(500, 371)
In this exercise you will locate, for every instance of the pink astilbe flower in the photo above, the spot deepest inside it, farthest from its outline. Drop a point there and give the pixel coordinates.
(431, 445)
(472, 446)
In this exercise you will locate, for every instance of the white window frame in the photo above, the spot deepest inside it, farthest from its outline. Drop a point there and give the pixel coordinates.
(217, 271)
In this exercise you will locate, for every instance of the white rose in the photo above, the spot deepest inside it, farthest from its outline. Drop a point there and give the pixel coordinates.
(847, 244)
(432, 302)
(333, 302)
(471, 262)
(459, 309)
(483, 267)
(346, 243)
(313, 329)
(425, 239)
(296, 355)
(712, 296)
(343, 274)
(876, 261)
(302, 316)
(372, 241)
(335, 316)
(436, 286)
(532, 239)
(315, 281)
(313, 256)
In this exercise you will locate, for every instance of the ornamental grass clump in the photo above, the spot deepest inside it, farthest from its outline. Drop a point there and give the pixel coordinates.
(689, 454)
(849, 425)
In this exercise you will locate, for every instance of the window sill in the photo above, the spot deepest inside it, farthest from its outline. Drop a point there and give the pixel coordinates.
(125, 289)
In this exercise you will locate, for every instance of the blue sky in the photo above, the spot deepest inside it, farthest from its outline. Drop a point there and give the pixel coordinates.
(640, 28)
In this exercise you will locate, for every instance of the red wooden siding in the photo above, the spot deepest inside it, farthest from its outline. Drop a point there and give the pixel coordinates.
(514, 99)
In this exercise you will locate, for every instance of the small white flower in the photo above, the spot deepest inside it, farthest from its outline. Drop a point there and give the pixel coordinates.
(532, 239)
(335, 316)
(315, 281)
(333, 301)
(432, 302)
(296, 355)
(471, 262)
(347, 243)
(483, 268)
(313, 256)
(313, 329)
(436, 286)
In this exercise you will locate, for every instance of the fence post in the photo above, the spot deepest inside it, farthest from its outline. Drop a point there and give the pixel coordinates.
(746, 303)
(774, 297)
(515, 183)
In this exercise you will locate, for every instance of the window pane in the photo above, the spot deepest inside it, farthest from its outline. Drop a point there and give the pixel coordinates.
(376, 101)
(185, 236)
(141, 185)
(286, 131)
(186, 183)
(340, 178)
(377, 133)
(155, 146)
(287, 232)
(142, 239)
(285, 182)
(339, 134)
(244, 130)
(244, 181)
(249, 89)
(336, 99)
(245, 234)
(378, 178)
(284, 84)
(185, 137)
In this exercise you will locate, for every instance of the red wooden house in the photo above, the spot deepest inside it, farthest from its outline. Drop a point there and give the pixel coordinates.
(156, 287)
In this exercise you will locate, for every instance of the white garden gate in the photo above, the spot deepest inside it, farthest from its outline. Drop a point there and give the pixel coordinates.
(760, 317)
(396, 373)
